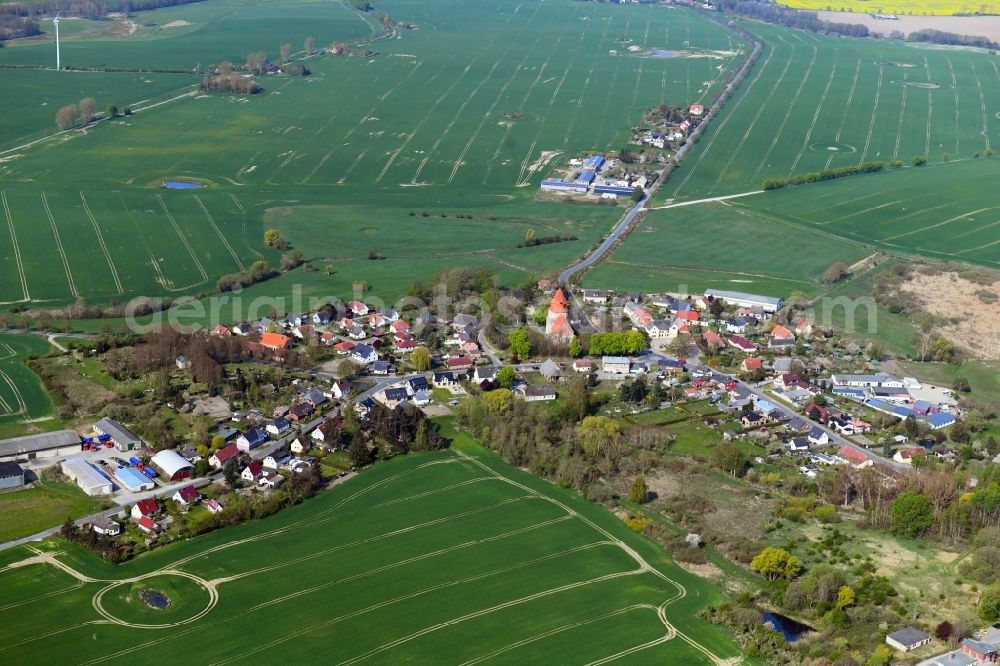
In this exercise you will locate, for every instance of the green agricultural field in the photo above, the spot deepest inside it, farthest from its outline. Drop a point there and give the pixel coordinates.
(443, 557)
(459, 116)
(720, 246)
(814, 102)
(905, 211)
(23, 400)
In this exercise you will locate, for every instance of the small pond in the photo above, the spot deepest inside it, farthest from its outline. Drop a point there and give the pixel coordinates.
(154, 599)
(182, 185)
(786, 626)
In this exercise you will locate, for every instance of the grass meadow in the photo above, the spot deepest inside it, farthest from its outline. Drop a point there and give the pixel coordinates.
(443, 557)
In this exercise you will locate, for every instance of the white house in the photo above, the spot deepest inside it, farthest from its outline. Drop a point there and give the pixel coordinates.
(818, 436)
(252, 472)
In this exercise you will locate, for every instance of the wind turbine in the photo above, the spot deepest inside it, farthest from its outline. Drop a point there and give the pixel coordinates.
(55, 22)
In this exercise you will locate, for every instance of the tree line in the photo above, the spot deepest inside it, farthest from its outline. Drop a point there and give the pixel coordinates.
(791, 18)
(825, 174)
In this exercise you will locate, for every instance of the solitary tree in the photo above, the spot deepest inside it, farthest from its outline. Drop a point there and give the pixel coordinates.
(66, 116)
(639, 492)
(273, 238)
(529, 236)
(637, 194)
(286, 52)
(112, 111)
(88, 107)
(310, 45)
(836, 271)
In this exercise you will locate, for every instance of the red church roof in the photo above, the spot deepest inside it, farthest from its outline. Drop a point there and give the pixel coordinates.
(559, 304)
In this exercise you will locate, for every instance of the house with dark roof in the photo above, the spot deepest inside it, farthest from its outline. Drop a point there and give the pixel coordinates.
(278, 426)
(751, 419)
(251, 439)
(300, 412)
(186, 496)
(392, 397)
(11, 475)
(984, 653)
(818, 436)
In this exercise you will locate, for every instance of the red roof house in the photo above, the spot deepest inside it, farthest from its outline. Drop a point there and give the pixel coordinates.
(275, 341)
(147, 525)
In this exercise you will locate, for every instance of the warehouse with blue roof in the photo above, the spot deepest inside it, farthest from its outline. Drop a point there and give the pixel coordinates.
(133, 480)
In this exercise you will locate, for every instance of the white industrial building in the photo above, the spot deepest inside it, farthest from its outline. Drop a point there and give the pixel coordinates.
(171, 465)
(89, 479)
(744, 300)
(42, 445)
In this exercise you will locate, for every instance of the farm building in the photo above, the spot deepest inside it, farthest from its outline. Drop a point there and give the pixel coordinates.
(11, 475)
(87, 477)
(121, 437)
(613, 189)
(907, 638)
(564, 185)
(171, 465)
(766, 303)
(133, 480)
(618, 365)
(42, 445)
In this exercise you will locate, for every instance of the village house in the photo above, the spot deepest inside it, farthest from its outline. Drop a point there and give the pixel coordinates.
(223, 455)
(278, 426)
(536, 393)
(275, 341)
(752, 364)
(145, 507)
(854, 458)
(445, 380)
(251, 439)
(186, 496)
(214, 506)
(106, 526)
(752, 419)
(818, 436)
(147, 525)
(271, 480)
(252, 472)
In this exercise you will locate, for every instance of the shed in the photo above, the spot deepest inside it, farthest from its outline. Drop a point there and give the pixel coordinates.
(11, 475)
(907, 638)
(42, 445)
